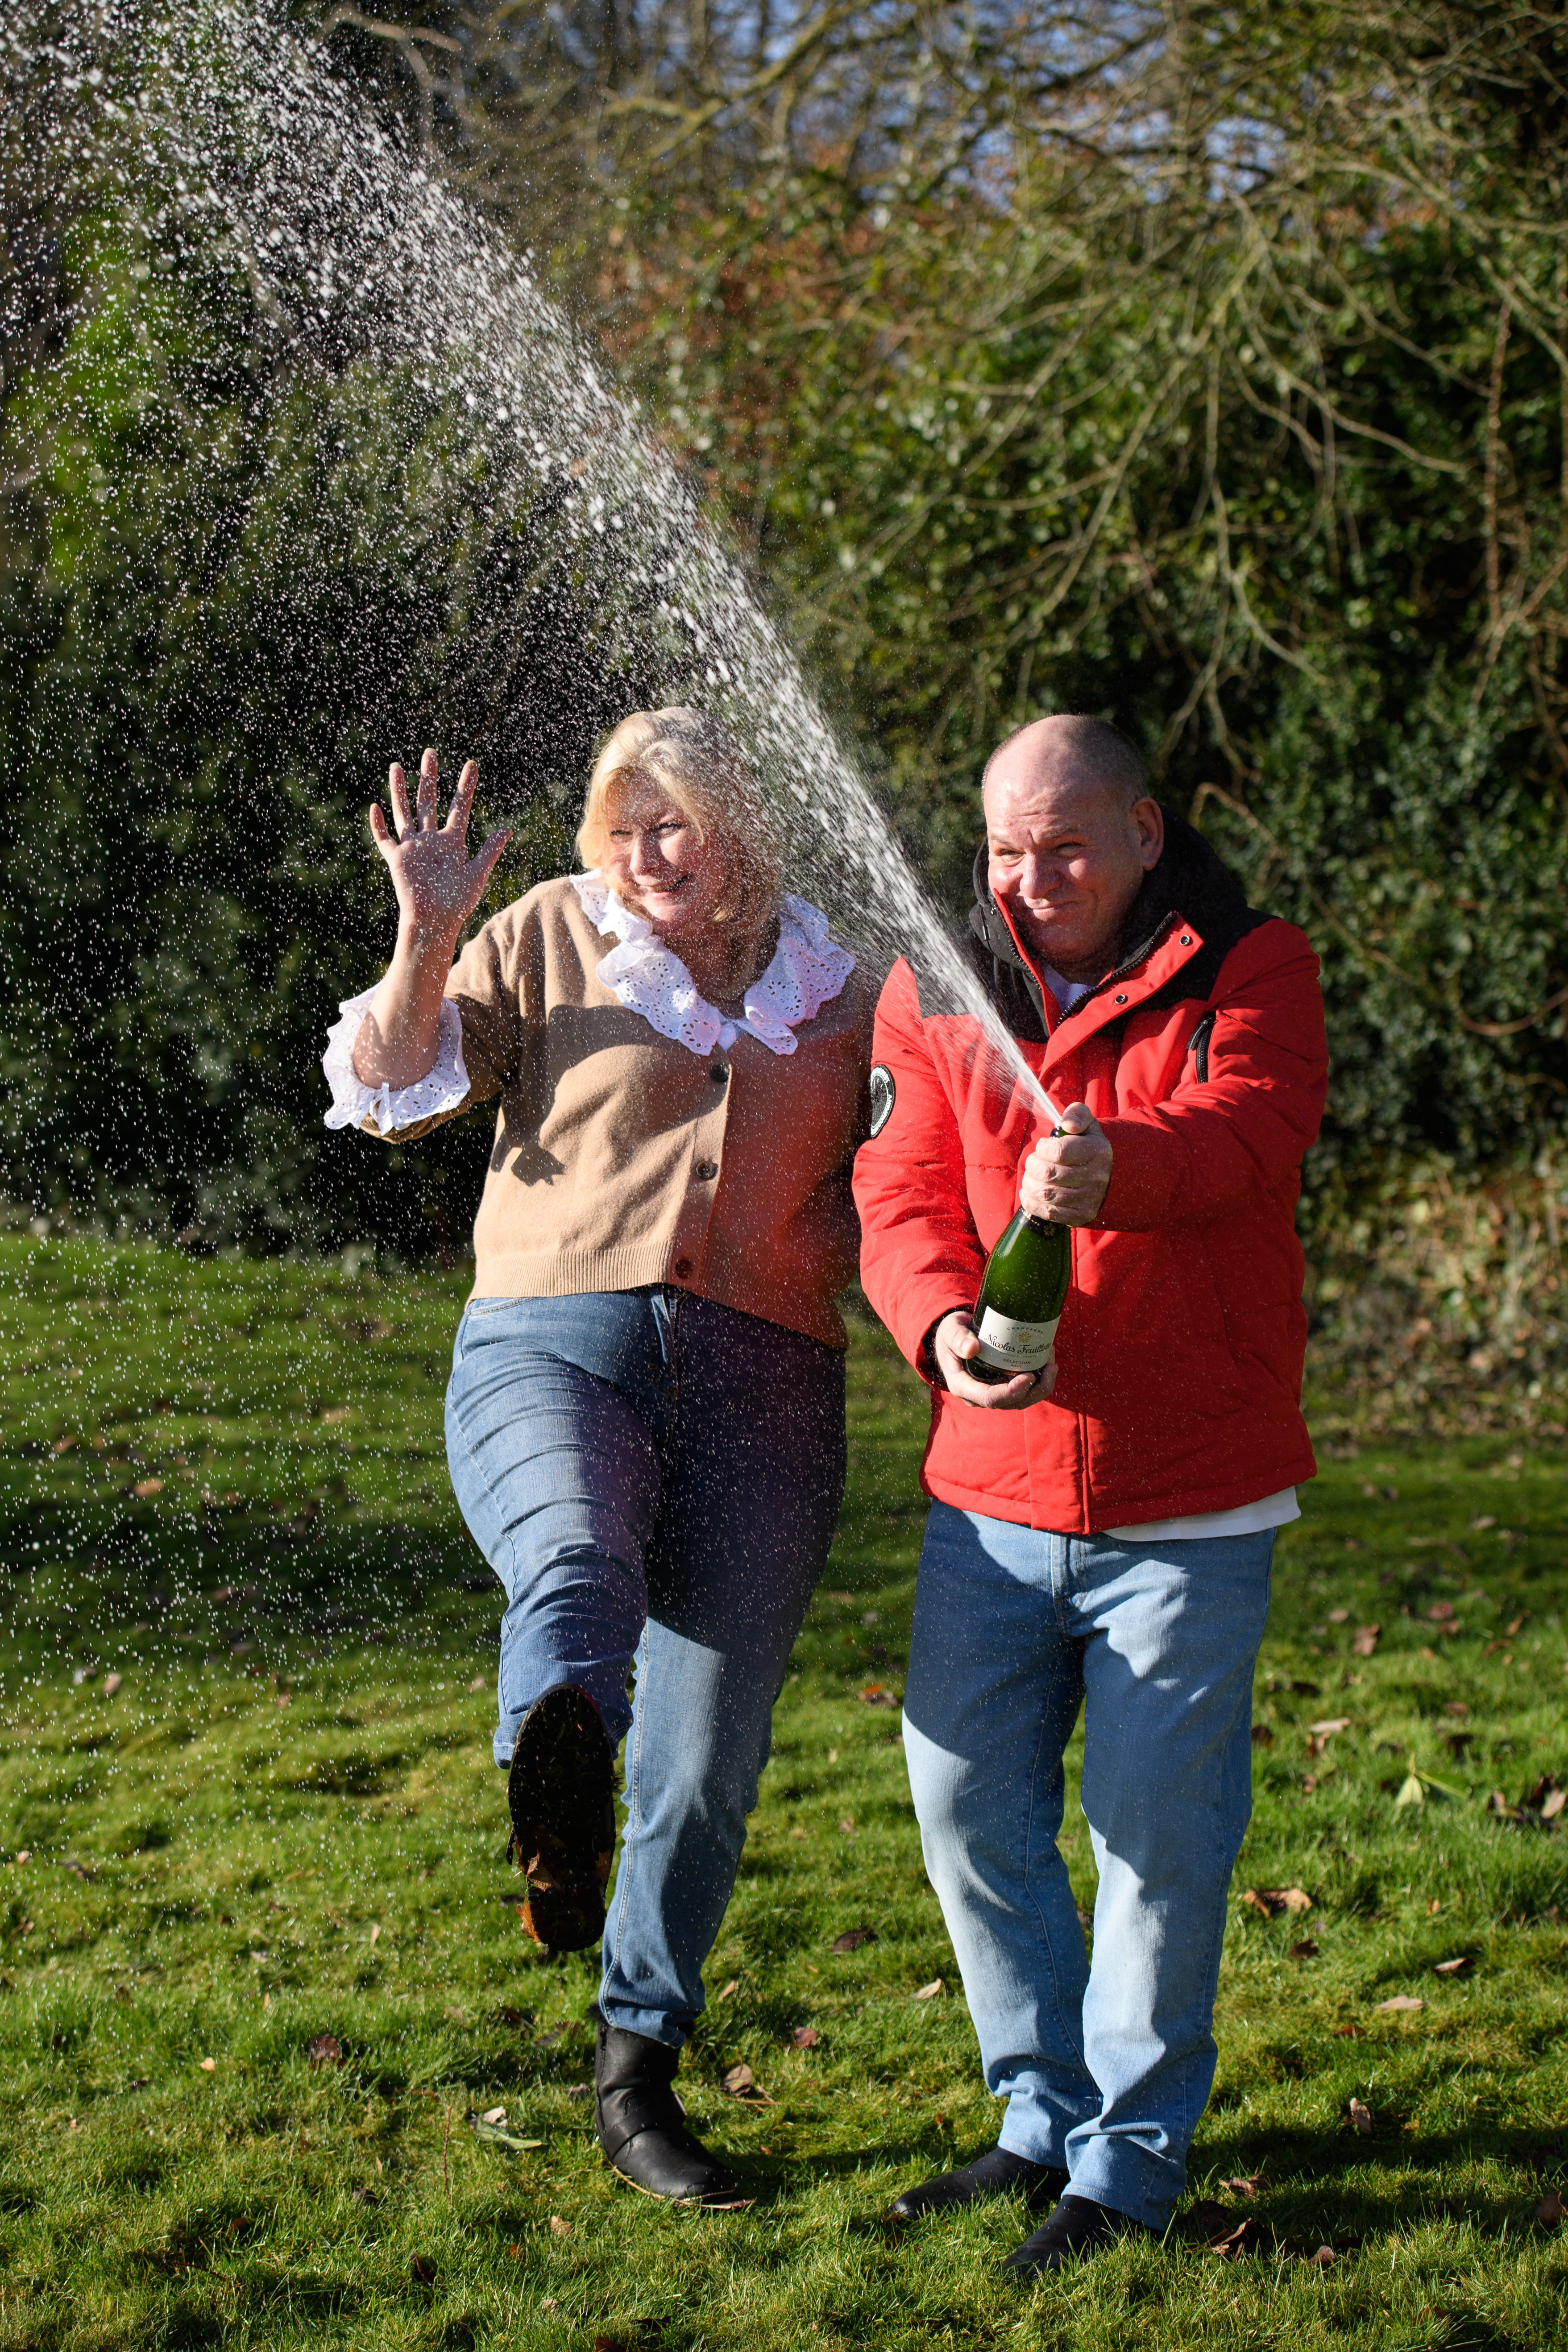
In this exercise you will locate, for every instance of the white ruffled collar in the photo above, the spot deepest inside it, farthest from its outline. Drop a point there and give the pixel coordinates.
(807, 971)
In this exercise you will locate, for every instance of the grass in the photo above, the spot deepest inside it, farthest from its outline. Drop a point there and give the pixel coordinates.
(223, 1484)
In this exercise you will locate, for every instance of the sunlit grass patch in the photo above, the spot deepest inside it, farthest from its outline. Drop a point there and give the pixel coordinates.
(283, 1824)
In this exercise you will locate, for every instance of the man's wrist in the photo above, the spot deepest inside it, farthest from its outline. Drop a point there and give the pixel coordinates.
(926, 1362)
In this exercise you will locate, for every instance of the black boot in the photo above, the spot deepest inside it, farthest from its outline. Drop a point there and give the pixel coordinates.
(1075, 2229)
(642, 2129)
(996, 2174)
(561, 1792)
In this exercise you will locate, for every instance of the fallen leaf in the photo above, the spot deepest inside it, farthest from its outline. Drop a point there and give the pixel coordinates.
(732, 1986)
(805, 2037)
(110, 1684)
(1361, 2115)
(739, 2079)
(145, 1486)
(325, 2051)
(498, 2132)
(558, 2227)
(209, 2065)
(930, 1992)
(1549, 2212)
(1402, 2004)
(1272, 1900)
(1243, 2237)
(1454, 1968)
(422, 2269)
(1364, 1641)
(850, 1941)
(1305, 1950)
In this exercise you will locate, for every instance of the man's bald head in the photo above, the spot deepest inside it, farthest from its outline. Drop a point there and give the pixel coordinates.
(1092, 748)
(1071, 833)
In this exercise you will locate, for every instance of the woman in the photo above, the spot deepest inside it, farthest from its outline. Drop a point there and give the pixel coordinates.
(646, 1416)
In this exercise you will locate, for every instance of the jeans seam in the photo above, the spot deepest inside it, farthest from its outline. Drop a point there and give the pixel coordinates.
(634, 1804)
(1075, 2041)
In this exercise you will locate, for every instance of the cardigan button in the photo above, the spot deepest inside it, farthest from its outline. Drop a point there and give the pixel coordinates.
(683, 1268)
(718, 1073)
(707, 1168)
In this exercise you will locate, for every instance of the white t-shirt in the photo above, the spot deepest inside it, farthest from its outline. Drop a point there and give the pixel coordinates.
(1248, 1518)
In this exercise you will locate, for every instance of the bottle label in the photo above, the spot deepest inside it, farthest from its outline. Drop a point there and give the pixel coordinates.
(1014, 1347)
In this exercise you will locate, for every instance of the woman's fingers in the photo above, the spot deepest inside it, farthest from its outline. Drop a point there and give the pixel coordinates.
(462, 799)
(484, 862)
(397, 786)
(429, 771)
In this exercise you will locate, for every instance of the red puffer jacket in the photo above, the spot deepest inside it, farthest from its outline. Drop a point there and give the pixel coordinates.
(1179, 1354)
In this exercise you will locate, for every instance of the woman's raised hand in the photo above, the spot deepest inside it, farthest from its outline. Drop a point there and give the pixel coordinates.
(438, 885)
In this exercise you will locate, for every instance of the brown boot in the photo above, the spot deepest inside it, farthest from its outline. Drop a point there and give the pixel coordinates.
(560, 1794)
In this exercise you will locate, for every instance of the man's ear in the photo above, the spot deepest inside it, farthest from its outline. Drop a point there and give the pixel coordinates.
(1149, 824)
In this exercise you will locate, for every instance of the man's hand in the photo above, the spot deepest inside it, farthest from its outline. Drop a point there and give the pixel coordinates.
(1065, 1176)
(954, 1345)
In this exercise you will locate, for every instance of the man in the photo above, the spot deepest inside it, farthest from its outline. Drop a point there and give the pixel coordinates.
(1100, 1532)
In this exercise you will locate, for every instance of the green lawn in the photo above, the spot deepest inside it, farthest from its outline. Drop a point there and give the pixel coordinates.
(223, 1484)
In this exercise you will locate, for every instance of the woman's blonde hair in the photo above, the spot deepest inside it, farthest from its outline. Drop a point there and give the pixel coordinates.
(699, 764)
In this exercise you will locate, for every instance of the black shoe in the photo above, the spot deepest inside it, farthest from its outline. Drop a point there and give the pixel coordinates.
(642, 2129)
(561, 1792)
(1073, 2230)
(996, 2174)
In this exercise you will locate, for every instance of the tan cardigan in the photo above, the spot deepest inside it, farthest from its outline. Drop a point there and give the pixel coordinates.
(622, 1158)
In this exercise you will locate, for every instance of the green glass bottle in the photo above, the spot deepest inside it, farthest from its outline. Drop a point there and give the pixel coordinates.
(1020, 1302)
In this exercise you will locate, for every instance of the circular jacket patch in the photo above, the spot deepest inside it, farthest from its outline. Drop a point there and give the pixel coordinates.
(884, 1094)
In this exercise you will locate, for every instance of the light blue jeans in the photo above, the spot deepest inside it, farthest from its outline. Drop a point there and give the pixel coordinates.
(655, 1480)
(1106, 2069)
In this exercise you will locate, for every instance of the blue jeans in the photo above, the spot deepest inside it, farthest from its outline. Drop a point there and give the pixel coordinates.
(655, 1480)
(1106, 2069)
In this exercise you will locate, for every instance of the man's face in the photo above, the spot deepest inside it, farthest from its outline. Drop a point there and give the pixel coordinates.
(1066, 856)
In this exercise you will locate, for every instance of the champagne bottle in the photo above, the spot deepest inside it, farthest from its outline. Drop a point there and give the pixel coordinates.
(1021, 1297)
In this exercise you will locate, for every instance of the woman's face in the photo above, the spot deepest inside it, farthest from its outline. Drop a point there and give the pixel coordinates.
(658, 863)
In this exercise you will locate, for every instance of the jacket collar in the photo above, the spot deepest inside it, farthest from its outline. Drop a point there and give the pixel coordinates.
(1190, 884)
